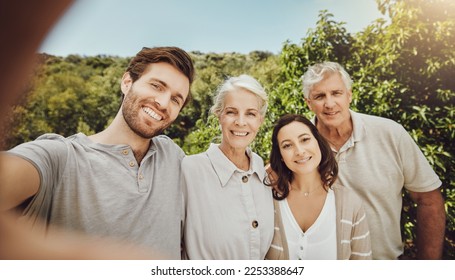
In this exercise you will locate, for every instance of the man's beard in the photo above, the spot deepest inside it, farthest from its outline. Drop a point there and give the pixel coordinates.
(130, 113)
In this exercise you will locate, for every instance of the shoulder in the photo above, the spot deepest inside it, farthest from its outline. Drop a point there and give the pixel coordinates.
(44, 143)
(52, 136)
(48, 152)
(376, 122)
(194, 160)
(196, 167)
(257, 158)
(163, 140)
(346, 196)
(166, 144)
(378, 129)
(75, 139)
(258, 162)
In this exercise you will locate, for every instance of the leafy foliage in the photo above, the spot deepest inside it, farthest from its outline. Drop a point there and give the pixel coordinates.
(402, 69)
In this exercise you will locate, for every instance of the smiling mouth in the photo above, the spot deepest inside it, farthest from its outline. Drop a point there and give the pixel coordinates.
(152, 113)
(303, 160)
(242, 134)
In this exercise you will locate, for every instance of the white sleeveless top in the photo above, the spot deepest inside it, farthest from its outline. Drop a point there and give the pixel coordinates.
(319, 241)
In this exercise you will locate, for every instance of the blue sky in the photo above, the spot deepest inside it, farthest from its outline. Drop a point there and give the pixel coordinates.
(123, 27)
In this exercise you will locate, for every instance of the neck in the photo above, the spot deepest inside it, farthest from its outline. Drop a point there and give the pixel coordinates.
(337, 136)
(306, 183)
(119, 133)
(237, 156)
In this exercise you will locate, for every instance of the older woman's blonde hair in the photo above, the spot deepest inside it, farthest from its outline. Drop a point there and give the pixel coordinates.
(241, 82)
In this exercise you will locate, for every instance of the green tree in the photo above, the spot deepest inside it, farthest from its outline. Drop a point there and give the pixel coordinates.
(403, 70)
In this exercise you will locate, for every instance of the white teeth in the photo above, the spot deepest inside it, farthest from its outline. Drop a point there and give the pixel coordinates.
(151, 113)
(240, 133)
(303, 160)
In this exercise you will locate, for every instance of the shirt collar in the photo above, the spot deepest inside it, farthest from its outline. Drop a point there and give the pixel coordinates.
(358, 126)
(224, 168)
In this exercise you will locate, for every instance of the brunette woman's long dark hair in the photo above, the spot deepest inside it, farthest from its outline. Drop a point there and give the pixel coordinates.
(328, 168)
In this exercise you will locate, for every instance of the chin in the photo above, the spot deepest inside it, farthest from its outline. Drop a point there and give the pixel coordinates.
(238, 145)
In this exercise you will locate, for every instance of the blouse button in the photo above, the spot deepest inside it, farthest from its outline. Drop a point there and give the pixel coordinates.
(132, 163)
(125, 152)
(255, 224)
(245, 179)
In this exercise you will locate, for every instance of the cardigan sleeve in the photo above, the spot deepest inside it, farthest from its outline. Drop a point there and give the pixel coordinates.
(360, 239)
(279, 248)
(353, 234)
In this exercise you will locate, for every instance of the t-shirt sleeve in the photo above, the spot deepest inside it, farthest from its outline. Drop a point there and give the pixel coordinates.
(419, 176)
(48, 154)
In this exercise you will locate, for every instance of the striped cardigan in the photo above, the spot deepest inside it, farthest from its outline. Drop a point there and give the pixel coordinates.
(353, 235)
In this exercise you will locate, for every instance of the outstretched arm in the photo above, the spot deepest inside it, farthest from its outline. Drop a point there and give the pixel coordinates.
(19, 180)
(430, 223)
(23, 25)
(19, 240)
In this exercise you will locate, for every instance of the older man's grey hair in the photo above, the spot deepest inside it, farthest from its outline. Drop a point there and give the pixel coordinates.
(319, 71)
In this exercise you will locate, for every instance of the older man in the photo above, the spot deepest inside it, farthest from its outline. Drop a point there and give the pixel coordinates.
(377, 158)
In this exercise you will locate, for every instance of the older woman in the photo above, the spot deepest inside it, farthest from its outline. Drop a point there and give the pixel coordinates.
(228, 209)
(314, 219)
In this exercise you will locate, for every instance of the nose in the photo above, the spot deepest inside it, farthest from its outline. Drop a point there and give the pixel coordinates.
(240, 121)
(329, 102)
(162, 100)
(299, 150)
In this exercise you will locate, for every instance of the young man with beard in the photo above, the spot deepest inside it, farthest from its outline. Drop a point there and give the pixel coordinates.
(122, 182)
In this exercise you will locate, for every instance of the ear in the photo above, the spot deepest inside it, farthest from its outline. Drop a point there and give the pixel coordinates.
(126, 83)
(262, 119)
(308, 103)
(350, 96)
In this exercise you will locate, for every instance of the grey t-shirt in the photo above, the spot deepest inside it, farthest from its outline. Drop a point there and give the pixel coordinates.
(100, 189)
